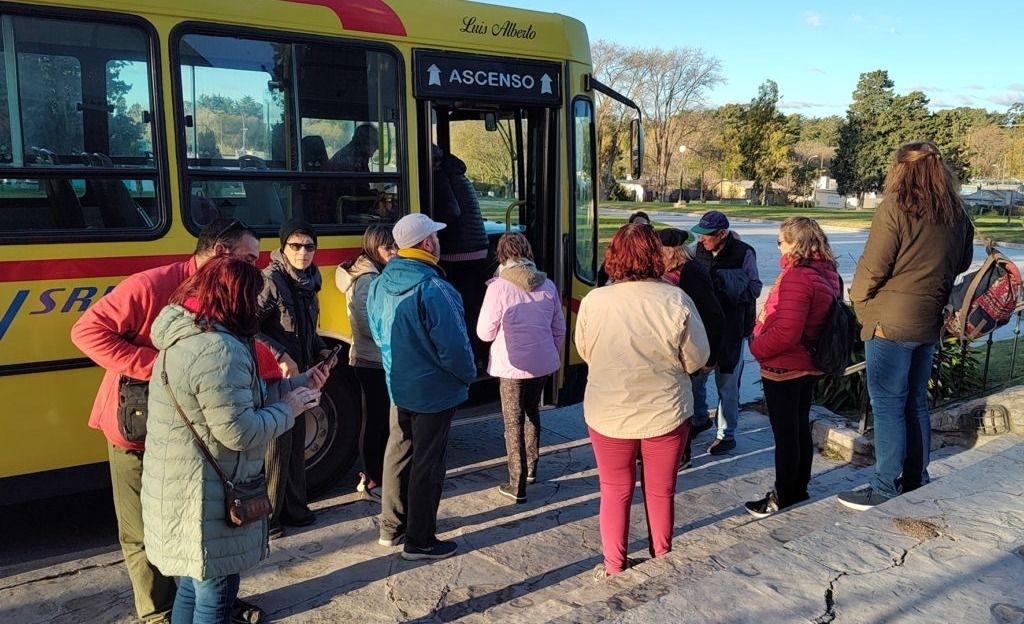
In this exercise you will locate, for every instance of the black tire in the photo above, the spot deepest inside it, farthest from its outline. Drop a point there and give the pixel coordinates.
(332, 432)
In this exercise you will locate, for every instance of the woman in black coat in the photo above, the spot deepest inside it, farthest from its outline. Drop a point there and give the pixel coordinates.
(694, 279)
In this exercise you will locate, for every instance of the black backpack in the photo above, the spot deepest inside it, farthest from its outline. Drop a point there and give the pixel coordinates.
(832, 349)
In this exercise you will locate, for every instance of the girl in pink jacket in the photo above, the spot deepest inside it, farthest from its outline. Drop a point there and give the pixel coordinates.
(522, 314)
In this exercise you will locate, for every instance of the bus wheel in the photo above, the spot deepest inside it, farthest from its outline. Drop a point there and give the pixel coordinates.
(332, 432)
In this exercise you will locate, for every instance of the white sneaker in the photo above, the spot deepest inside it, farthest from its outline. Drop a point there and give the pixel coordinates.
(368, 488)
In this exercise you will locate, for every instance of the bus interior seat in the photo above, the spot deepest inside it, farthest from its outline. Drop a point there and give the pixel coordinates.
(116, 205)
(314, 153)
(64, 205)
(202, 209)
(263, 203)
(318, 199)
(65, 211)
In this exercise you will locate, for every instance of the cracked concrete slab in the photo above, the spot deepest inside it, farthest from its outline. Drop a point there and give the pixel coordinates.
(533, 563)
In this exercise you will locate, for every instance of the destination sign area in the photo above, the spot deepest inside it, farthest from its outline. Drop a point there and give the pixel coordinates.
(447, 76)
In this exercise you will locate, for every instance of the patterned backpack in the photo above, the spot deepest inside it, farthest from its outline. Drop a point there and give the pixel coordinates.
(984, 300)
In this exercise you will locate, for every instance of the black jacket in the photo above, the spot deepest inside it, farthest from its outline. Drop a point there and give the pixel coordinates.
(289, 310)
(739, 308)
(456, 205)
(696, 282)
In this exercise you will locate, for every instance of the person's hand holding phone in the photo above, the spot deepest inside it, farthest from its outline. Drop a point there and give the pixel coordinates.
(330, 357)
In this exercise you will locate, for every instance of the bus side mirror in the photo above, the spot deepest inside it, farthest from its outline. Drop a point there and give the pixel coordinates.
(636, 148)
(490, 122)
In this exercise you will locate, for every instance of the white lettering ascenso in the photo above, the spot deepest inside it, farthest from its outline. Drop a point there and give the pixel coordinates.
(492, 79)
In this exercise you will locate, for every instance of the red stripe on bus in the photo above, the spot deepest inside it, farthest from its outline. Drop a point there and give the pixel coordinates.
(77, 268)
(372, 16)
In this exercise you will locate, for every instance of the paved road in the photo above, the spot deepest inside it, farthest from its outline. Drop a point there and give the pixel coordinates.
(847, 244)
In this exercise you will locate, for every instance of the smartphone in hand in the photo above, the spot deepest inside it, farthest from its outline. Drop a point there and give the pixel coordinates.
(333, 354)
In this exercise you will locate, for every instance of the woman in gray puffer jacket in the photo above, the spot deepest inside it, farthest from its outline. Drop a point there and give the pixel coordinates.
(204, 337)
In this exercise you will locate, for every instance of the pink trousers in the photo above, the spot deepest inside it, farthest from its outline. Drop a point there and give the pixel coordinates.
(616, 471)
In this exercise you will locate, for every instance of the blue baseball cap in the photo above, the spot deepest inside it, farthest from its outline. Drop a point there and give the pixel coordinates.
(712, 221)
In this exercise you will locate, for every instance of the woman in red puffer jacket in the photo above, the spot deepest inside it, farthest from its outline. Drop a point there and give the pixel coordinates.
(793, 316)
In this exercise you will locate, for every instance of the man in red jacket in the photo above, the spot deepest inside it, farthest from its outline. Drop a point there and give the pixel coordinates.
(114, 333)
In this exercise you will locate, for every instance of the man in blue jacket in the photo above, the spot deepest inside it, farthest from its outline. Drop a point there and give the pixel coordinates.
(416, 318)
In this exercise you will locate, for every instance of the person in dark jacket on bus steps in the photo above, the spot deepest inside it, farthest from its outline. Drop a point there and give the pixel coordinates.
(464, 240)
(417, 321)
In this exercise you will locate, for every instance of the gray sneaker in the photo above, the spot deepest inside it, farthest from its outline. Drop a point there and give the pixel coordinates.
(861, 500)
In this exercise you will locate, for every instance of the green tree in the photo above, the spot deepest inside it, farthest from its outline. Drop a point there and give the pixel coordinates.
(864, 148)
(765, 140)
(126, 128)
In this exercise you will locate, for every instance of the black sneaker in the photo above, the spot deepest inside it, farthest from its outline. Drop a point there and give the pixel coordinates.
(698, 429)
(861, 500)
(764, 507)
(721, 446)
(438, 550)
(275, 532)
(508, 491)
(685, 461)
(243, 612)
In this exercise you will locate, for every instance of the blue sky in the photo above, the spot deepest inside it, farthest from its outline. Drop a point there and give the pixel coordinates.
(957, 53)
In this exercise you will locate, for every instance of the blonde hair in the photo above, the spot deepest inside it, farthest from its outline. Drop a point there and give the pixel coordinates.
(808, 240)
(922, 184)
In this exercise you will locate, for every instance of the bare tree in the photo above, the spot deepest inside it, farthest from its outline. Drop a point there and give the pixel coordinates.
(663, 83)
(677, 81)
(618, 67)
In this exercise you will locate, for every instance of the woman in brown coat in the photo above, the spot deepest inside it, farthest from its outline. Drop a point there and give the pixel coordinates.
(920, 239)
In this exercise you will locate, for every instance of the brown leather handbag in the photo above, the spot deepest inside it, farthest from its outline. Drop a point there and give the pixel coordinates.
(245, 502)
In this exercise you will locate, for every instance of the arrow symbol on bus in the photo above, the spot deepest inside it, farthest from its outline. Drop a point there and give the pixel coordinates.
(545, 84)
(434, 75)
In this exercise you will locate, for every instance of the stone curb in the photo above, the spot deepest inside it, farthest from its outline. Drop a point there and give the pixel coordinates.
(969, 424)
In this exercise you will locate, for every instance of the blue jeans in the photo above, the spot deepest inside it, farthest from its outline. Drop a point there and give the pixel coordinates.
(897, 377)
(728, 386)
(205, 602)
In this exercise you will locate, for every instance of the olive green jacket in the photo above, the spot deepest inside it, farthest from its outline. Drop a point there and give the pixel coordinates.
(904, 277)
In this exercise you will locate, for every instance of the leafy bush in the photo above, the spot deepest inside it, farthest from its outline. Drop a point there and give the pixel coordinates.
(955, 369)
(619, 193)
(952, 363)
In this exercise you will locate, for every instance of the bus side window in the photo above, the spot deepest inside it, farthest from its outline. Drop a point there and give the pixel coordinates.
(78, 91)
(262, 198)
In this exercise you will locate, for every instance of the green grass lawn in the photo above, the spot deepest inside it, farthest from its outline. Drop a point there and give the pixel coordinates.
(988, 225)
(999, 362)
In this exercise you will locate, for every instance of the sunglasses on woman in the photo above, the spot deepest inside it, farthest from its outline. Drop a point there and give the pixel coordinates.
(310, 247)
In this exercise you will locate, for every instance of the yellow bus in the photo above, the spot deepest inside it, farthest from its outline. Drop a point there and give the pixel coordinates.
(126, 126)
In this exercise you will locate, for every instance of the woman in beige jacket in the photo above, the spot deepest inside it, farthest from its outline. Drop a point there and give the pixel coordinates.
(641, 338)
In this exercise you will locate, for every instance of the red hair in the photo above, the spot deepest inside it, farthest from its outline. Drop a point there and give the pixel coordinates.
(634, 254)
(225, 290)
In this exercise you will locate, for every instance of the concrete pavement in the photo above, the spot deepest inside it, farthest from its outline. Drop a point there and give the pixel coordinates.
(534, 562)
